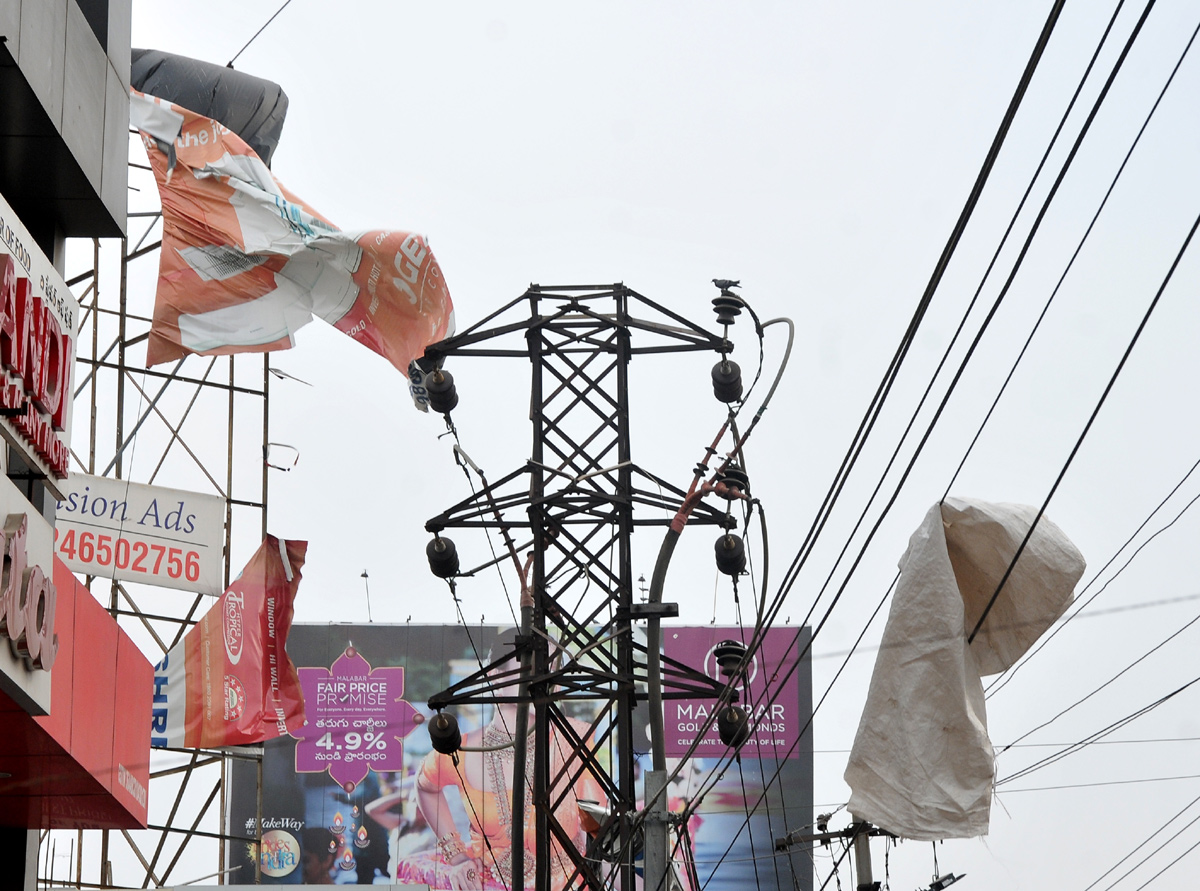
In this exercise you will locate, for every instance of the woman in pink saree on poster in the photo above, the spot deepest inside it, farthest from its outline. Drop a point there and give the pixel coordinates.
(481, 775)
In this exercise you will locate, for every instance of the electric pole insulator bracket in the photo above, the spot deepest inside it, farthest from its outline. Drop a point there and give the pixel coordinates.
(646, 610)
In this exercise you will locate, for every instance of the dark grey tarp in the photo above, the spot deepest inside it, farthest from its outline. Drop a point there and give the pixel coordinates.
(252, 107)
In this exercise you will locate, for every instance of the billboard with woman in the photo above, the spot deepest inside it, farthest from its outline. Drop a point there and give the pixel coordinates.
(390, 810)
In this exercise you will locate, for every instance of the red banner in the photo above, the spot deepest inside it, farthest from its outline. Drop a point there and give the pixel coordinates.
(245, 263)
(230, 681)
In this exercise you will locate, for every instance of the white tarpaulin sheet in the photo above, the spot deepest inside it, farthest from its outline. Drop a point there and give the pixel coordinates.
(922, 765)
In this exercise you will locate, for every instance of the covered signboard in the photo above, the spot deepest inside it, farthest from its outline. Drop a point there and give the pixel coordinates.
(356, 793)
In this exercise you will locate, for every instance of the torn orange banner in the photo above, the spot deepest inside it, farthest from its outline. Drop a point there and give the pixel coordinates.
(245, 263)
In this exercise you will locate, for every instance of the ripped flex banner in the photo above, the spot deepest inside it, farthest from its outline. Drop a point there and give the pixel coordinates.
(230, 682)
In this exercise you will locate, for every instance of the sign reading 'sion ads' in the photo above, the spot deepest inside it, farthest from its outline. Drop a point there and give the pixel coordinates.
(116, 529)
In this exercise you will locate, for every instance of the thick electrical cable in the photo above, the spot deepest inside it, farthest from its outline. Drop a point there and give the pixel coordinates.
(979, 335)
(971, 305)
(1091, 420)
(1078, 248)
(866, 425)
(826, 508)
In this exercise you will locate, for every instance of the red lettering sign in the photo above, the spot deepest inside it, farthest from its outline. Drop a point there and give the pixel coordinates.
(36, 352)
(27, 600)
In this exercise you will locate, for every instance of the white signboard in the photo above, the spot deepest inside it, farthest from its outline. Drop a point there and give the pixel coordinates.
(118, 529)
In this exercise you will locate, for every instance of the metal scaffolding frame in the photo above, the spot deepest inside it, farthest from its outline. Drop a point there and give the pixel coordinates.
(572, 507)
(202, 425)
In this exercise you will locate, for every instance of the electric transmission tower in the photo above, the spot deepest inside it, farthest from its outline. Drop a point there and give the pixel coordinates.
(570, 509)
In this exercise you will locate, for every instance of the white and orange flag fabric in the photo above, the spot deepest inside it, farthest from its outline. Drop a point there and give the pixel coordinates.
(245, 263)
(230, 682)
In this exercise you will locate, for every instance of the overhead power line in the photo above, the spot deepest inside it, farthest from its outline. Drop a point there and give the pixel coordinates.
(229, 64)
(1091, 420)
(1147, 841)
(872, 413)
(999, 684)
(1082, 240)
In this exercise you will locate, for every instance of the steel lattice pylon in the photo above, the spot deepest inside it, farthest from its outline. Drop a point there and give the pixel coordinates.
(572, 507)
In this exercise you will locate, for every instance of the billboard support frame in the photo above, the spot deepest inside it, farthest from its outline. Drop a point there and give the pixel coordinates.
(190, 820)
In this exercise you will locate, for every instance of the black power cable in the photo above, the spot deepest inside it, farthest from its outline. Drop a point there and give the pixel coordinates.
(229, 64)
(1075, 254)
(1091, 420)
(875, 407)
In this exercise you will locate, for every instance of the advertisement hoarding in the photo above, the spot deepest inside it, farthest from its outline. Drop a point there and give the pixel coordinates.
(117, 529)
(356, 795)
(37, 352)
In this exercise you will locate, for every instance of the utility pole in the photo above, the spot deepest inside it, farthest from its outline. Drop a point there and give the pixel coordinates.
(571, 507)
(859, 832)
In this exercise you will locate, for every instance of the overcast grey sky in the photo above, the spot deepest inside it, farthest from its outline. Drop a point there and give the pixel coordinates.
(821, 153)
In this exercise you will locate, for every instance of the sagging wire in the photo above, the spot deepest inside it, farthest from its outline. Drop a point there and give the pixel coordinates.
(463, 460)
(1099, 734)
(791, 577)
(871, 416)
(1091, 420)
(1000, 683)
(1087, 232)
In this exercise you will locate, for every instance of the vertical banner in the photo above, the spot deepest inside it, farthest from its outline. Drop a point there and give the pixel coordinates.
(230, 682)
(357, 796)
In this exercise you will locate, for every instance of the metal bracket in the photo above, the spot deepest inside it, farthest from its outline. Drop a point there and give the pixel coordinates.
(646, 610)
